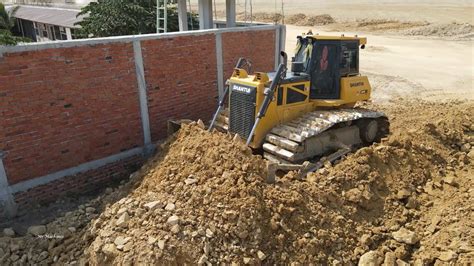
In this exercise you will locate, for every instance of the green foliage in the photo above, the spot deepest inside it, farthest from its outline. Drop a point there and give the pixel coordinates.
(124, 17)
(7, 23)
(6, 38)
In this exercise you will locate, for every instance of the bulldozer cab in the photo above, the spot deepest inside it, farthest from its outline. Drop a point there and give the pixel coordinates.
(326, 60)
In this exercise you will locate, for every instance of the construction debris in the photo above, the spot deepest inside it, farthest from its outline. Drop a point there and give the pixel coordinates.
(372, 207)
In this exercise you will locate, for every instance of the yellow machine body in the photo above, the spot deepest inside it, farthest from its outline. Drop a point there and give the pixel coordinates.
(353, 89)
(308, 110)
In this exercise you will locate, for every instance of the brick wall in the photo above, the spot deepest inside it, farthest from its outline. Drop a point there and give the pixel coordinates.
(65, 105)
(257, 47)
(89, 181)
(181, 79)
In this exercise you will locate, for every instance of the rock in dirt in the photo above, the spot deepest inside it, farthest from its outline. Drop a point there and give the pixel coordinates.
(121, 240)
(202, 260)
(371, 258)
(170, 206)
(9, 232)
(471, 155)
(173, 220)
(403, 194)
(190, 181)
(365, 239)
(152, 205)
(161, 244)
(447, 256)
(261, 256)
(390, 259)
(450, 180)
(175, 229)
(15, 257)
(406, 236)
(37, 230)
(201, 124)
(412, 203)
(122, 221)
(402, 263)
(466, 147)
(209, 233)
(109, 249)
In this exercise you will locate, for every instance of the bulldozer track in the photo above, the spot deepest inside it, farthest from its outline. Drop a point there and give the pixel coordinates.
(286, 142)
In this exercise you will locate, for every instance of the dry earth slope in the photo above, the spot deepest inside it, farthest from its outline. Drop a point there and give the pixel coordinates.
(203, 199)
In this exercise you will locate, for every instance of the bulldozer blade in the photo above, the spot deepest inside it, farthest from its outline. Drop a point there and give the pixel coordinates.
(175, 125)
(305, 168)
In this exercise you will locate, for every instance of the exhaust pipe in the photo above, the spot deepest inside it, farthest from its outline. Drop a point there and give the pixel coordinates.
(285, 61)
(285, 58)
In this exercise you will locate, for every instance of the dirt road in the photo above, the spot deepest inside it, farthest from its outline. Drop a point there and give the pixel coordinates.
(398, 66)
(441, 11)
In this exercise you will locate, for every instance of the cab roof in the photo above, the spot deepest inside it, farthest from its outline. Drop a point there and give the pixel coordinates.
(362, 40)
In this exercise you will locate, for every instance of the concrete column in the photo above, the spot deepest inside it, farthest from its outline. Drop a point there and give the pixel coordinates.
(220, 65)
(182, 15)
(280, 39)
(230, 13)
(205, 14)
(68, 34)
(277, 47)
(142, 96)
(8, 206)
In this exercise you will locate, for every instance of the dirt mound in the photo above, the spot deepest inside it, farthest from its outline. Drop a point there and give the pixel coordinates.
(207, 202)
(309, 20)
(261, 17)
(219, 209)
(204, 199)
(442, 30)
(296, 19)
(408, 28)
(376, 25)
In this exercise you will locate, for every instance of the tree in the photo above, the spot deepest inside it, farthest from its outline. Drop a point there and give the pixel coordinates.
(124, 17)
(7, 23)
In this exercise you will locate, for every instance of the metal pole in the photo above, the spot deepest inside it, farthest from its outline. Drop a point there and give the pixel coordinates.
(251, 13)
(282, 12)
(245, 11)
(215, 10)
(165, 11)
(157, 16)
(221, 104)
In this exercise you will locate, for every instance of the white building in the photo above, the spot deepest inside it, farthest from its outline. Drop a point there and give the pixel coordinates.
(46, 23)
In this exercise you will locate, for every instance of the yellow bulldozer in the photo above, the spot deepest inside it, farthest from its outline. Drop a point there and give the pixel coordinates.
(302, 117)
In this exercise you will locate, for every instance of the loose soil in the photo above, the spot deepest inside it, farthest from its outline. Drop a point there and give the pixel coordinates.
(203, 199)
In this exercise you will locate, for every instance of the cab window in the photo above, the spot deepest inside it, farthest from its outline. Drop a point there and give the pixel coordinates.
(280, 96)
(349, 58)
(295, 94)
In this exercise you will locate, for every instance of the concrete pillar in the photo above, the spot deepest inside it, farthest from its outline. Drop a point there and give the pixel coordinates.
(68, 34)
(142, 96)
(182, 15)
(230, 13)
(8, 206)
(220, 65)
(205, 14)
